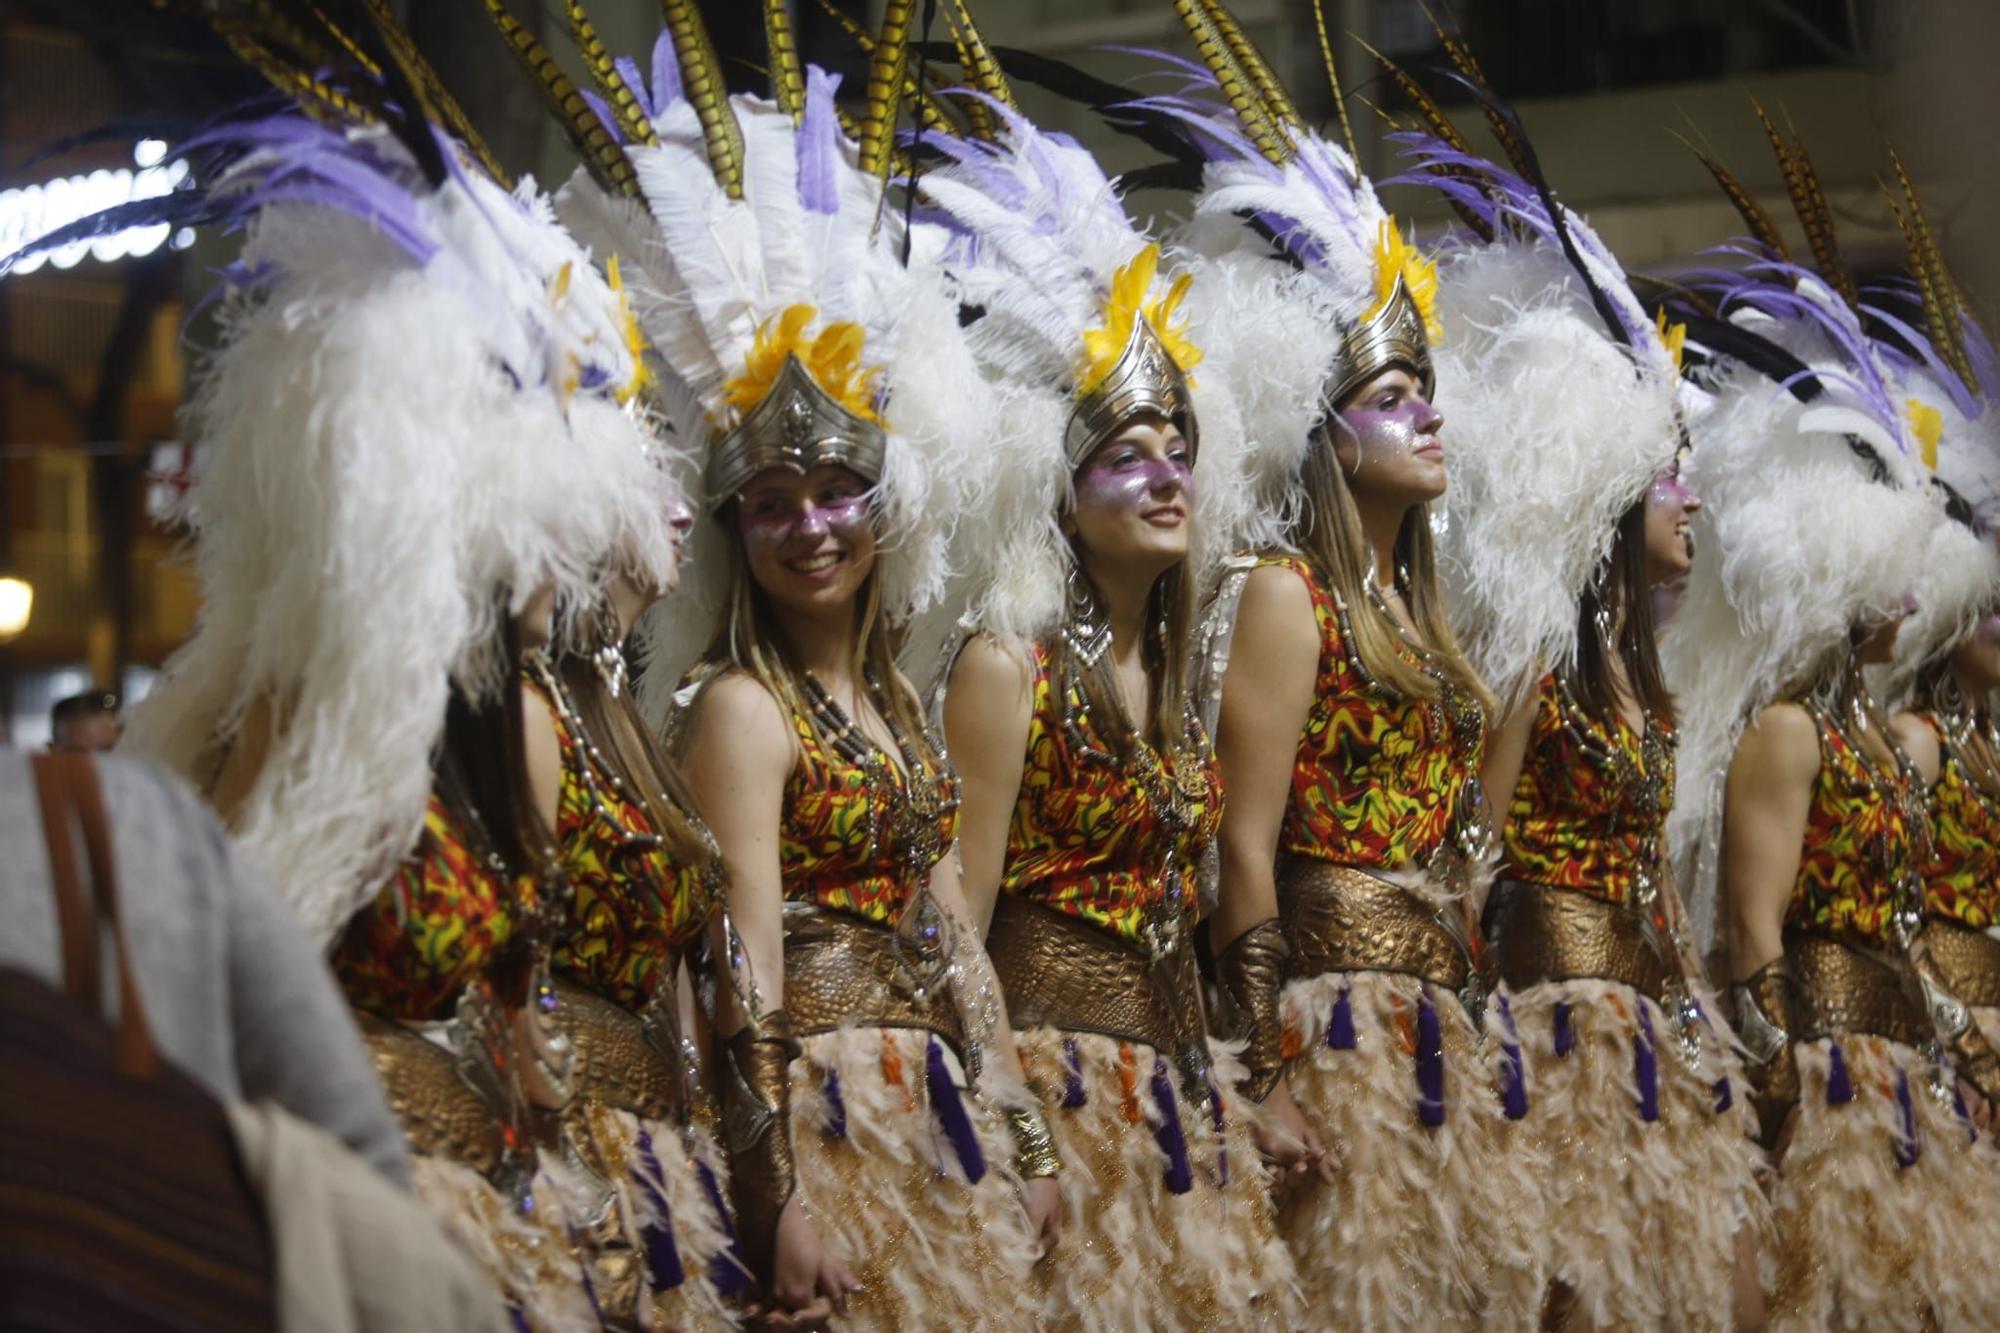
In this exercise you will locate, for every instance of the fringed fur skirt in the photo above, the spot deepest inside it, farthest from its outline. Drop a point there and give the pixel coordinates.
(1433, 1220)
(662, 1241)
(1166, 1218)
(1886, 1206)
(1652, 1158)
(533, 1255)
(908, 1179)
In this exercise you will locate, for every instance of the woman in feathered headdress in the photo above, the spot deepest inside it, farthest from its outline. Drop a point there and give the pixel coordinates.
(1351, 732)
(419, 432)
(1567, 511)
(1090, 788)
(871, 1177)
(1801, 818)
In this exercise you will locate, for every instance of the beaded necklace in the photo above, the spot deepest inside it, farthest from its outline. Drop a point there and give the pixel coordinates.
(1902, 793)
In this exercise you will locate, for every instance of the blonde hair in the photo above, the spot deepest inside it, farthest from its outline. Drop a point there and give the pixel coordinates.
(1328, 533)
(750, 639)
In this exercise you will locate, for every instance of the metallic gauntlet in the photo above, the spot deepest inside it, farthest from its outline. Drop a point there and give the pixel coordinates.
(1034, 1148)
(756, 1121)
(1767, 1009)
(1249, 977)
(1972, 1056)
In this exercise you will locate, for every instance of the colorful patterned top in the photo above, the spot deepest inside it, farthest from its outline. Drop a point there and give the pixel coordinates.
(839, 848)
(1378, 779)
(1962, 877)
(1590, 809)
(633, 908)
(1859, 858)
(436, 927)
(1104, 841)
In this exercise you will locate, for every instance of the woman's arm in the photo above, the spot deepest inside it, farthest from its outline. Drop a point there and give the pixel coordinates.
(1766, 805)
(988, 709)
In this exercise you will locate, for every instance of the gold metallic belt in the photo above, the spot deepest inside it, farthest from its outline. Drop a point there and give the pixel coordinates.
(1846, 990)
(841, 969)
(1542, 933)
(1061, 972)
(617, 1059)
(1967, 961)
(1342, 919)
(440, 1113)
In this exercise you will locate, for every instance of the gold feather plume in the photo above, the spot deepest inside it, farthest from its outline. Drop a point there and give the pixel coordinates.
(1940, 295)
(1257, 119)
(601, 154)
(624, 104)
(701, 81)
(439, 105)
(1276, 100)
(887, 65)
(788, 80)
(1761, 225)
(1810, 205)
(1441, 127)
(1333, 81)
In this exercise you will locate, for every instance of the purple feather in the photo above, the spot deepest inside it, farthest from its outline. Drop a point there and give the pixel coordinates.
(727, 1270)
(1565, 1033)
(1514, 1085)
(628, 73)
(817, 144)
(1725, 1097)
(1908, 1150)
(1171, 1138)
(1926, 356)
(836, 1107)
(1839, 1088)
(663, 1256)
(666, 73)
(1340, 1027)
(1430, 1064)
(950, 1107)
(1073, 1095)
(1646, 1067)
(602, 110)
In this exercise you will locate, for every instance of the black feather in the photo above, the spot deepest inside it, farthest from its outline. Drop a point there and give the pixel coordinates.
(1171, 175)
(1718, 337)
(1111, 101)
(182, 208)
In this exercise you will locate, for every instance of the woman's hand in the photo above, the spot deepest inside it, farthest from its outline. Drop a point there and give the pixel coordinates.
(1976, 1106)
(1042, 1197)
(809, 1283)
(1288, 1143)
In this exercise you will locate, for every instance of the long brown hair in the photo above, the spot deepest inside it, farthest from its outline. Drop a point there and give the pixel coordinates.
(751, 639)
(1328, 532)
(1624, 597)
(1164, 651)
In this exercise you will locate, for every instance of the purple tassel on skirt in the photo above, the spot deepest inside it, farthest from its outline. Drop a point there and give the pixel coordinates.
(1907, 1151)
(1839, 1089)
(1646, 1067)
(663, 1256)
(1565, 1036)
(1725, 1097)
(1514, 1088)
(950, 1109)
(519, 1319)
(1340, 1028)
(1072, 1076)
(1221, 1146)
(836, 1107)
(727, 1270)
(1430, 1064)
(1172, 1141)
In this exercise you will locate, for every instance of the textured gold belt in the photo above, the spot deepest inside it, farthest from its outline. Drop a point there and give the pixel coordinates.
(1343, 919)
(618, 1058)
(1543, 933)
(1967, 961)
(1061, 972)
(841, 969)
(1846, 990)
(440, 1113)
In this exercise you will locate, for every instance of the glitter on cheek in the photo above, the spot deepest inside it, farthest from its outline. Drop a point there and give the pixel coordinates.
(1988, 629)
(1386, 435)
(769, 531)
(1107, 486)
(1669, 492)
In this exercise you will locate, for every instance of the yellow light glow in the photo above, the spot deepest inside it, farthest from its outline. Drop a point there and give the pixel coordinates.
(17, 603)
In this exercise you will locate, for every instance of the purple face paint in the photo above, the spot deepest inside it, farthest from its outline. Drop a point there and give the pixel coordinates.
(1396, 431)
(1123, 477)
(1670, 492)
(1988, 628)
(773, 522)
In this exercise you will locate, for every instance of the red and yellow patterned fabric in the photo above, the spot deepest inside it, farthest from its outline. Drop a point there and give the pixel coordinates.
(1586, 814)
(434, 928)
(1859, 849)
(1377, 779)
(1962, 878)
(1087, 837)
(633, 908)
(828, 851)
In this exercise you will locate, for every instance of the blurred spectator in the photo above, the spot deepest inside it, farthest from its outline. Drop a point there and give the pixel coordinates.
(85, 722)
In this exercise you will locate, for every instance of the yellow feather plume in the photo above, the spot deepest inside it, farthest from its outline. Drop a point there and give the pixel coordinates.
(1673, 337)
(832, 358)
(1102, 346)
(635, 337)
(1927, 424)
(1396, 258)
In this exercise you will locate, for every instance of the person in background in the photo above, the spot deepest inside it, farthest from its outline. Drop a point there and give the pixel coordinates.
(85, 722)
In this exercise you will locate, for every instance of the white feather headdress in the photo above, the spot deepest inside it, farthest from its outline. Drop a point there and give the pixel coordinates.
(420, 414)
(720, 245)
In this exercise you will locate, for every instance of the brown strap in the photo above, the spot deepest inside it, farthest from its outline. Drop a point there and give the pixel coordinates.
(75, 921)
(69, 784)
